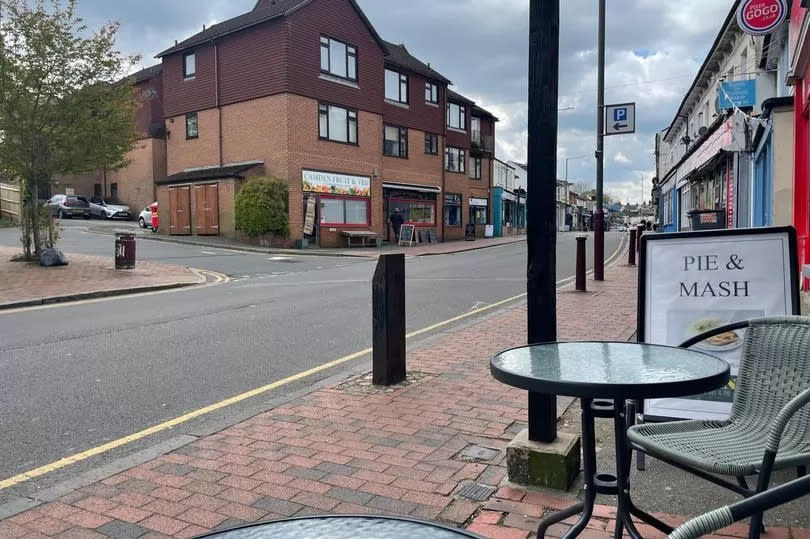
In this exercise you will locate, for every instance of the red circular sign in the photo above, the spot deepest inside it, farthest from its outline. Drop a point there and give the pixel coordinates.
(760, 17)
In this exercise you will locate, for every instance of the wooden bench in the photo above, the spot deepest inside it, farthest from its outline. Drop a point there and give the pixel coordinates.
(363, 235)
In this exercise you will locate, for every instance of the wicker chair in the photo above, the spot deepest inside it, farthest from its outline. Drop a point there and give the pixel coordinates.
(769, 426)
(725, 516)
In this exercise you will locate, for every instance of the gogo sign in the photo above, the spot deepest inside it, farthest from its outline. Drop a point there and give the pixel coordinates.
(761, 17)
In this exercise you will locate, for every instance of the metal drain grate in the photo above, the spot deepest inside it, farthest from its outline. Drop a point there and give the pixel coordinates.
(476, 491)
(478, 452)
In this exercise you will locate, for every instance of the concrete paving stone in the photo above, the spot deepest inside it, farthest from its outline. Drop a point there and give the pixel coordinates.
(202, 501)
(164, 524)
(230, 523)
(60, 510)
(191, 531)
(86, 519)
(239, 496)
(313, 474)
(349, 495)
(105, 491)
(459, 511)
(132, 499)
(243, 483)
(334, 468)
(165, 507)
(48, 525)
(201, 517)
(175, 469)
(122, 530)
(276, 505)
(127, 514)
(79, 533)
(133, 485)
(318, 501)
(242, 512)
(391, 505)
(497, 532)
(309, 486)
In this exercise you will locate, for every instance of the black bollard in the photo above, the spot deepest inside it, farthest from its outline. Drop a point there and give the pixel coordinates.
(631, 252)
(638, 237)
(388, 304)
(581, 264)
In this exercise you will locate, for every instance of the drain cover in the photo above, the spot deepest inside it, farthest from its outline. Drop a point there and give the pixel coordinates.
(476, 491)
(477, 452)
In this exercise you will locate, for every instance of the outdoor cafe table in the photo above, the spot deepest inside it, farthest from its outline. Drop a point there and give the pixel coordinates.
(604, 376)
(345, 527)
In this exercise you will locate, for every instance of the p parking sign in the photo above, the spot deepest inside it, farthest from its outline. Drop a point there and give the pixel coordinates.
(620, 119)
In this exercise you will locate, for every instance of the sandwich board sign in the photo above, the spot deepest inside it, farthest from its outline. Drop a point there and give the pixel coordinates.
(692, 282)
(407, 235)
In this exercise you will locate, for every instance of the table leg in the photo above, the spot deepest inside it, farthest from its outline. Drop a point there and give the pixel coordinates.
(584, 507)
(623, 517)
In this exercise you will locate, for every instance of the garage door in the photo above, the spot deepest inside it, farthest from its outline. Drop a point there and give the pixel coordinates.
(206, 201)
(180, 211)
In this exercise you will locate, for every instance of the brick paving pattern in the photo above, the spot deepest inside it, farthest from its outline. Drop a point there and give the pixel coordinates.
(345, 450)
(84, 274)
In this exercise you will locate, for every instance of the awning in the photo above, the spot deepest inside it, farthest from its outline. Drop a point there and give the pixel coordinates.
(209, 173)
(412, 187)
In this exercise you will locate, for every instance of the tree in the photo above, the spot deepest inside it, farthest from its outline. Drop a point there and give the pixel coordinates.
(61, 110)
(581, 188)
(262, 207)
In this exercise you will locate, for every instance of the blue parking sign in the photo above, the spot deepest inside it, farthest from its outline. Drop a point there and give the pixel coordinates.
(619, 115)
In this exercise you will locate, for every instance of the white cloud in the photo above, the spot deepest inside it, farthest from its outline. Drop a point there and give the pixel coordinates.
(621, 158)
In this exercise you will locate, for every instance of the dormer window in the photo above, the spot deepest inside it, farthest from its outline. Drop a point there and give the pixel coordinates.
(338, 59)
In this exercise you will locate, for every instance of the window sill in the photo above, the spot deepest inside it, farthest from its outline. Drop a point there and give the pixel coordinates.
(338, 80)
(337, 141)
(192, 77)
(456, 130)
(398, 104)
(431, 104)
(395, 156)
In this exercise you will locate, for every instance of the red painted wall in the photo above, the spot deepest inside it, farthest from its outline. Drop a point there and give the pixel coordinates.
(801, 184)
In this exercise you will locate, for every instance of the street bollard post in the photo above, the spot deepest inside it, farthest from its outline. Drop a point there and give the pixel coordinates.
(631, 252)
(638, 237)
(581, 264)
(388, 313)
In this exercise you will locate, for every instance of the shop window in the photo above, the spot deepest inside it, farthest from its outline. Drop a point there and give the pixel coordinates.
(452, 210)
(415, 212)
(344, 211)
(478, 215)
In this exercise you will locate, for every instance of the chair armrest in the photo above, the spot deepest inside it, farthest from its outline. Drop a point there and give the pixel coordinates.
(783, 417)
(704, 524)
(712, 332)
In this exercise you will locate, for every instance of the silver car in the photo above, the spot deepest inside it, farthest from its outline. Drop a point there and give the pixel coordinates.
(109, 209)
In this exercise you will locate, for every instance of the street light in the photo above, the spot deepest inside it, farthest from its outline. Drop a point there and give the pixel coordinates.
(572, 159)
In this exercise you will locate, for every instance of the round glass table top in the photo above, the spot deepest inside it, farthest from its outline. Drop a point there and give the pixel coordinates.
(609, 370)
(344, 527)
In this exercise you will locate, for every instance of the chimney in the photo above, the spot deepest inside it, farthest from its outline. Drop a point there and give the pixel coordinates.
(203, 28)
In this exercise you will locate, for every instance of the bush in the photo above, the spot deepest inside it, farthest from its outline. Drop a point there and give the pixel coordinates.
(262, 207)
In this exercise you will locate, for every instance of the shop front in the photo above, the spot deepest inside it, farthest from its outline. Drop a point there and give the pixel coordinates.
(479, 215)
(332, 203)
(418, 205)
(508, 212)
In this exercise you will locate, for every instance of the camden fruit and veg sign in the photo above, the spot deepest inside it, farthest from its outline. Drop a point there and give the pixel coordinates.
(761, 17)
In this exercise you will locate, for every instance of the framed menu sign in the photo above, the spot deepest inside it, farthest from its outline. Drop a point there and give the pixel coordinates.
(692, 282)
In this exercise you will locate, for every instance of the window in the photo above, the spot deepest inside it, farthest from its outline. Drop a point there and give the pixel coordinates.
(395, 141)
(478, 215)
(338, 58)
(475, 129)
(192, 125)
(431, 93)
(431, 144)
(189, 65)
(114, 191)
(337, 124)
(415, 211)
(454, 159)
(344, 211)
(456, 116)
(396, 86)
(475, 168)
(452, 210)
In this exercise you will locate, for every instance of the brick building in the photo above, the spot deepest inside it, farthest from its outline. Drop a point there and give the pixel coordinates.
(134, 184)
(308, 92)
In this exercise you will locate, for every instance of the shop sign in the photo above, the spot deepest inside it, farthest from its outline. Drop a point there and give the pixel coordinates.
(309, 217)
(761, 17)
(479, 202)
(692, 282)
(336, 184)
(738, 93)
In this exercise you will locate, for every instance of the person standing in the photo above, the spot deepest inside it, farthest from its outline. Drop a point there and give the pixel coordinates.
(396, 221)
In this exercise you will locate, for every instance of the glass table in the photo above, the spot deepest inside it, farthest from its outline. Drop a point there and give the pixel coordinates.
(345, 527)
(604, 376)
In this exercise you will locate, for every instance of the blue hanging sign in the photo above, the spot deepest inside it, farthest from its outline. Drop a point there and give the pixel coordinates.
(739, 93)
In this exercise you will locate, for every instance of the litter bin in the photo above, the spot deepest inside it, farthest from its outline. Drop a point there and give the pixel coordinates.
(124, 250)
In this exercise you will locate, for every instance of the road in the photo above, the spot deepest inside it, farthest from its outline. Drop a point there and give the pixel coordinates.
(79, 375)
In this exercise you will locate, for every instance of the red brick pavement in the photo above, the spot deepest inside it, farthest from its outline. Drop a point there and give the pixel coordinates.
(84, 274)
(347, 449)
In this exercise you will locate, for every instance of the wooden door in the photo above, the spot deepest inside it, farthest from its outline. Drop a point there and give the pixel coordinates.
(180, 211)
(206, 200)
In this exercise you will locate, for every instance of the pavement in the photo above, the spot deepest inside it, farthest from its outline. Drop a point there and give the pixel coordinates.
(348, 447)
(85, 276)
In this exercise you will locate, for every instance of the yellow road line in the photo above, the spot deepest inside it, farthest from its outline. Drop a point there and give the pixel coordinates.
(78, 457)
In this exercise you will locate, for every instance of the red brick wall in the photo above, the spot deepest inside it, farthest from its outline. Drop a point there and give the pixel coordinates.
(186, 153)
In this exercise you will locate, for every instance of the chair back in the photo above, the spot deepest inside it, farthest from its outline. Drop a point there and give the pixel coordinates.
(775, 367)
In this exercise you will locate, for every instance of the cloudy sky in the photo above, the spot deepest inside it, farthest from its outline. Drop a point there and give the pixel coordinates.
(654, 49)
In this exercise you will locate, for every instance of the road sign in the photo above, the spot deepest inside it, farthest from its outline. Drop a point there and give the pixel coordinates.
(761, 17)
(620, 119)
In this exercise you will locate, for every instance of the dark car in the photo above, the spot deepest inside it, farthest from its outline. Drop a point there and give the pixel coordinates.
(69, 206)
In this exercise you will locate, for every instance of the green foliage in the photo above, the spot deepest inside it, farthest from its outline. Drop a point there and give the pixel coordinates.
(262, 207)
(63, 107)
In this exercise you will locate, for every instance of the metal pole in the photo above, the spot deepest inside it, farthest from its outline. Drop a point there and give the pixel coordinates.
(599, 228)
(581, 282)
(544, 46)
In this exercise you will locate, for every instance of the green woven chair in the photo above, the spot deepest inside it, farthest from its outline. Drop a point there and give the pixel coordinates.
(769, 426)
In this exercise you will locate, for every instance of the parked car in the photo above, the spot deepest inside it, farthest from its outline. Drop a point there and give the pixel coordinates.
(622, 228)
(69, 206)
(109, 209)
(145, 218)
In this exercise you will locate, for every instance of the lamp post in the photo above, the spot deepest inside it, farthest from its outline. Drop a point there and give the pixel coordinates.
(572, 159)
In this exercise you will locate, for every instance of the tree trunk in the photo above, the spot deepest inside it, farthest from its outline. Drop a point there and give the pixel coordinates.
(35, 214)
